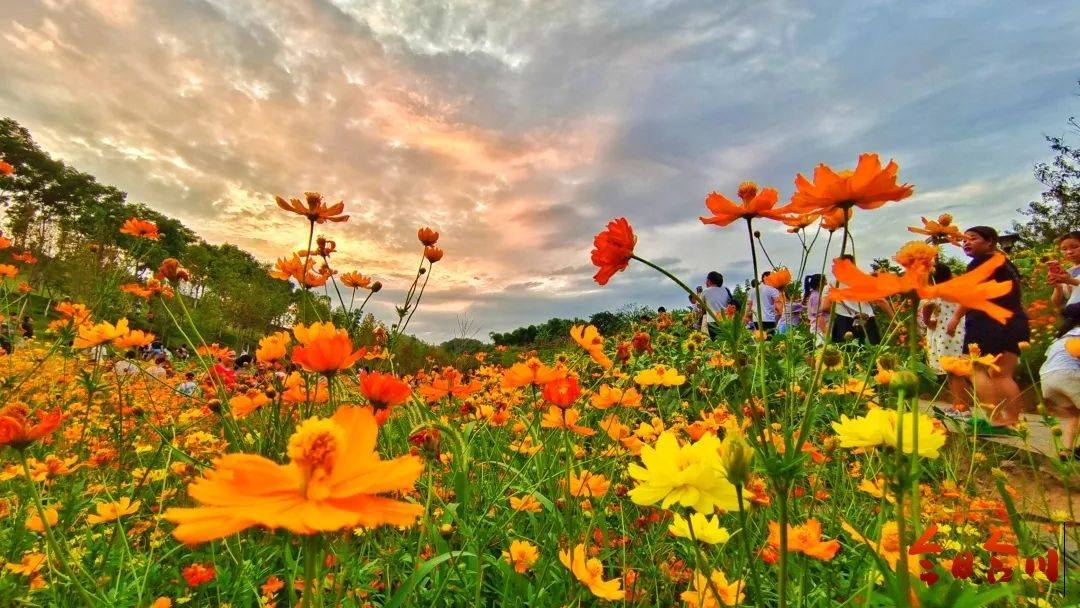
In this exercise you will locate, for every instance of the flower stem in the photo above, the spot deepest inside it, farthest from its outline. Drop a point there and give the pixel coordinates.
(54, 548)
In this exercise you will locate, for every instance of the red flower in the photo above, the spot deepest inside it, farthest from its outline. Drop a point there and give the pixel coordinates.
(427, 236)
(612, 249)
(383, 390)
(642, 342)
(198, 574)
(433, 254)
(16, 429)
(562, 392)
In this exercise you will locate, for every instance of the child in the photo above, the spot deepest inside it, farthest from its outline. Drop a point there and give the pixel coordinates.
(1060, 379)
(934, 314)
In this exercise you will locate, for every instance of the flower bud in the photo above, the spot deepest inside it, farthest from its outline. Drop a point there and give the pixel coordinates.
(736, 457)
(904, 380)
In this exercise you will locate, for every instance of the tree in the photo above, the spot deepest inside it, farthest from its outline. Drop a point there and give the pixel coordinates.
(1059, 210)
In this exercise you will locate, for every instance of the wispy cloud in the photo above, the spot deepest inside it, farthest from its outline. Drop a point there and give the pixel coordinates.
(518, 129)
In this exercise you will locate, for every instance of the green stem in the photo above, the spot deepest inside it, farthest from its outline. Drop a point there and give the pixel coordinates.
(745, 541)
(54, 547)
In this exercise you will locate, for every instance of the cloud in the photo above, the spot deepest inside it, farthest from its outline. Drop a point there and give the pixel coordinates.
(519, 129)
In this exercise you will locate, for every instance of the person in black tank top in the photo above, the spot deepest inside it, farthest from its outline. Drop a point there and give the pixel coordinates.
(996, 391)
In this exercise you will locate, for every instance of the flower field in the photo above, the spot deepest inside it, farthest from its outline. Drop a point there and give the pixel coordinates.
(652, 467)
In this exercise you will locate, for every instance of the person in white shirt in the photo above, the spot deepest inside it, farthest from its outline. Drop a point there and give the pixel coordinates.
(857, 318)
(771, 305)
(1059, 378)
(716, 298)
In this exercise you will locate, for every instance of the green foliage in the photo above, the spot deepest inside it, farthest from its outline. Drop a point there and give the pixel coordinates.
(1059, 209)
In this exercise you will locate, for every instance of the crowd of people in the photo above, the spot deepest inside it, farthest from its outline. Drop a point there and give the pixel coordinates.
(948, 330)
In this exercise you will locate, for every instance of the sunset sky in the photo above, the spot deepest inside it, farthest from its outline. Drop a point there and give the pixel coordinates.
(518, 129)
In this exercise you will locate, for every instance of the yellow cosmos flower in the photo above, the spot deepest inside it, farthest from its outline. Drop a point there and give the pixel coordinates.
(659, 375)
(690, 475)
(703, 592)
(880, 427)
(706, 529)
(100, 333)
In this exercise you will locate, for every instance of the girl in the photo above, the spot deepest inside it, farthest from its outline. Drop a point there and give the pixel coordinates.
(1060, 379)
(934, 314)
(995, 390)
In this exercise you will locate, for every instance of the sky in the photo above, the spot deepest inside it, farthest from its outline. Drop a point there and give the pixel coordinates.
(518, 129)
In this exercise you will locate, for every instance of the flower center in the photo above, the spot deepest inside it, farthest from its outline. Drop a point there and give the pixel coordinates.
(314, 447)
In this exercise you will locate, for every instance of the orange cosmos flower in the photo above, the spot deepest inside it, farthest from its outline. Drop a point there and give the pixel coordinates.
(562, 392)
(25, 257)
(612, 249)
(244, 404)
(324, 348)
(383, 390)
(868, 187)
(971, 289)
(427, 236)
(778, 278)
(940, 231)
(531, 372)
(133, 339)
(754, 204)
(833, 220)
(805, 539)
(17, 430)
(1072, 346)
(333, 481)
(433, 254)
(301, 270)
(356, 280)
(608, 397)
(522, 555)
(272, 347)
(143, 229)
(888, 546)
(313, 208)
(918, 256)
(9, 271)
(76, 313)
(590, 572)
(800, 222)
(299, 390)
(6, 168)
(4, 242)
(35, 523)
(588, 484)
(111, 511)
(526, 503)
(448, 382)
(590, 339)
(964, 365)
(562, 418)
(94, 335)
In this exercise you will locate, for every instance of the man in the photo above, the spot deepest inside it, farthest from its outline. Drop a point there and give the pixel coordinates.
(770, 302)
(716, 298)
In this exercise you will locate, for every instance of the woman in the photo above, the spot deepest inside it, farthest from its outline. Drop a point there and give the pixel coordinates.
(1066, 282)
(995, 389)
(1059, 377)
